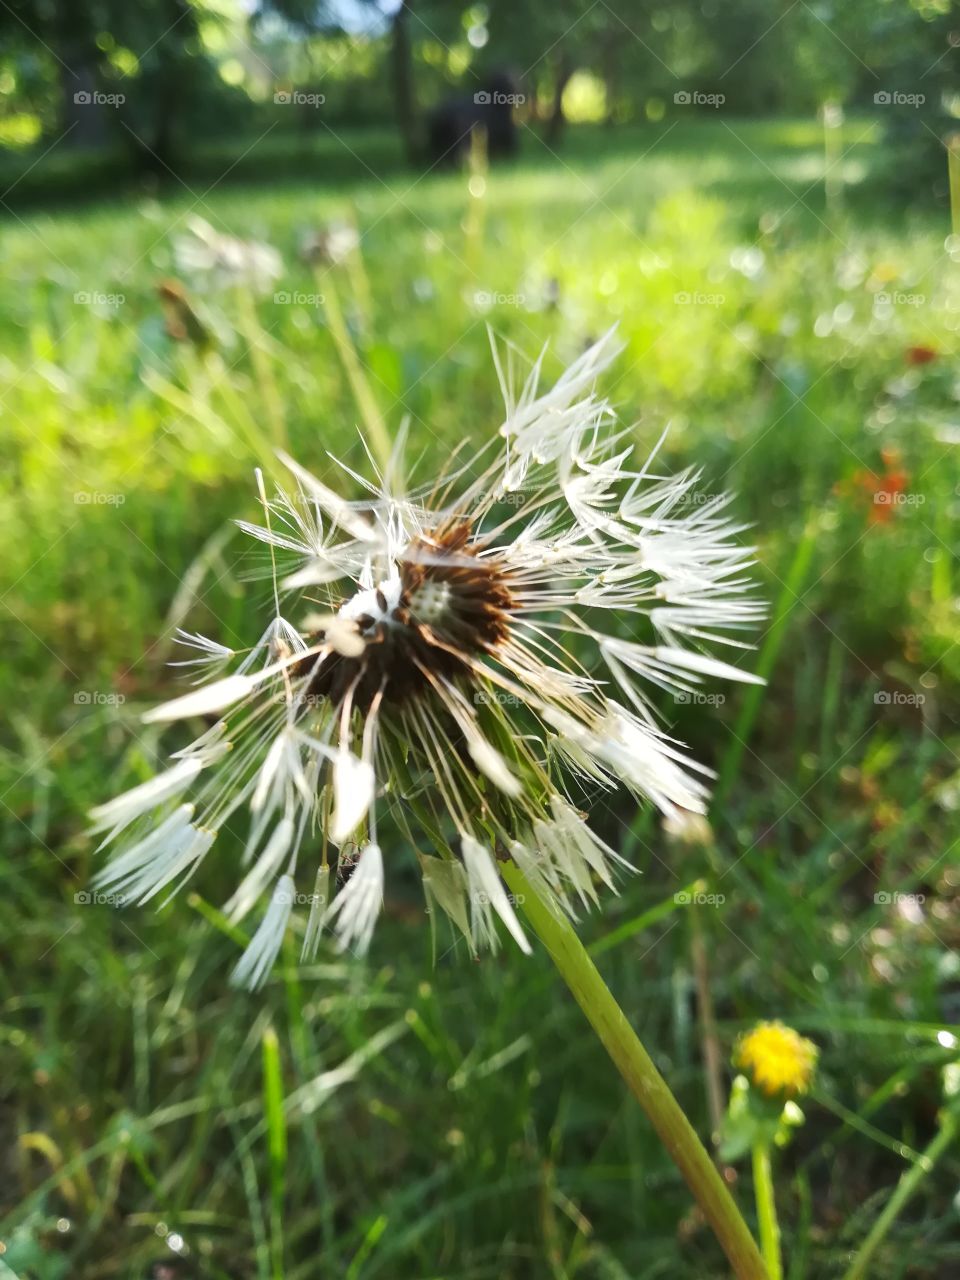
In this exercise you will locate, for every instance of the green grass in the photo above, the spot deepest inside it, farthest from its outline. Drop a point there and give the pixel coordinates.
(405, 1118)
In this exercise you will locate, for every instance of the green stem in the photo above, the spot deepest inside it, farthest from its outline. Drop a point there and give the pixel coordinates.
(904, 1190)
(642, 1077)
(767, 1209)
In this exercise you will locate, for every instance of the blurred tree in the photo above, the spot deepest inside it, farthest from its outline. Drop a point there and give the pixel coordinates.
(549, 40)
(149, 52)
(63, 35)
(914, 49)
(402, 66)
(182, 69)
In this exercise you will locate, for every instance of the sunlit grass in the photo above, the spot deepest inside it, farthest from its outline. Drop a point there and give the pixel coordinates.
(465, 1144)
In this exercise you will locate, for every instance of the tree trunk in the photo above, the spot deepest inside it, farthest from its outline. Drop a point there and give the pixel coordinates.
(402, 59)
(68, 33)
(80, 113)
(611, 75)
(555, 125)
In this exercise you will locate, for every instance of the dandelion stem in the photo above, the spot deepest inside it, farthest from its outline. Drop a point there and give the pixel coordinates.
(767, 1209)
(642, 1077)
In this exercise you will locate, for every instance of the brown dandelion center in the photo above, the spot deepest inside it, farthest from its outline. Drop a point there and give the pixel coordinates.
(453, 604)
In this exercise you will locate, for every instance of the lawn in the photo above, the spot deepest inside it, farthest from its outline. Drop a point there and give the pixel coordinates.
(446, 1118)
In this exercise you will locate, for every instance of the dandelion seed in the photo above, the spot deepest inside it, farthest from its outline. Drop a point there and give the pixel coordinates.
(356, 907)
(211, 656)
(454, 659)
(224, 260)
(258, 959)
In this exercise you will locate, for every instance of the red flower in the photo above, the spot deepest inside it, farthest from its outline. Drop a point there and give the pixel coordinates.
(881, 489)
(920, 355)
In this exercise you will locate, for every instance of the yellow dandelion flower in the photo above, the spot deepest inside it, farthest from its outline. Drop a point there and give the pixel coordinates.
(777, 1059)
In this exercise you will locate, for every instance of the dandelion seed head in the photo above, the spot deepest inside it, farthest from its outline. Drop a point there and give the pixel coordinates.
(444, 606)
(458, 661)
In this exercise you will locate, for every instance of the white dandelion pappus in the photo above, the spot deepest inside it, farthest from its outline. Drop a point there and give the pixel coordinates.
(427, 666)
(224, 260)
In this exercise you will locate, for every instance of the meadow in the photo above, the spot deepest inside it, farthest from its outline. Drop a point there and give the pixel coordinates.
(419, 1114)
